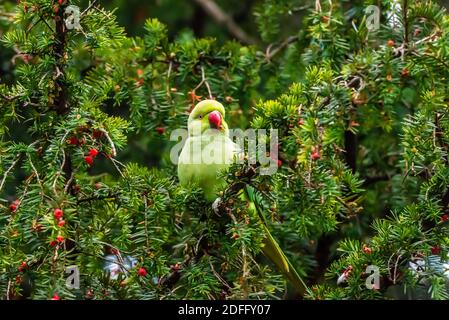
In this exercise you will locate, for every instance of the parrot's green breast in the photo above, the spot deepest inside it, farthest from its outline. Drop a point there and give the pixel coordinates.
(202, 159)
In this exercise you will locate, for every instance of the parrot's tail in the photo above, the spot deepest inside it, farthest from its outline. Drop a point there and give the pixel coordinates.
(273, 252)
(271, 248)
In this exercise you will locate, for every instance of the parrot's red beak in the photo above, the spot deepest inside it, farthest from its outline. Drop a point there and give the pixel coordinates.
(215, 119)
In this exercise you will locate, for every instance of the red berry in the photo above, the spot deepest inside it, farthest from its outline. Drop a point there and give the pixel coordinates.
(405, 73)
(279, 163)
(58, 214)
(61, 2)
(53, 243)
(89, 160)
(93, 152)
(14, 205)
(315, 155)
(22, 266)
(73, 141)
(367, 250)
(160, 130)
(435, 250)
(390, 43)
(26, 58)
(60, 239)
(89, 294)
(325, 19)
(55, 8)
(142, 272)
(61, 223)
(139, 72)
(55, 297)
(444, 217)
(347, 271)
(18, 279)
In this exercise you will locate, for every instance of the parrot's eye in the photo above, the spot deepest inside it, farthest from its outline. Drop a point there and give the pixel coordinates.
(200, 117)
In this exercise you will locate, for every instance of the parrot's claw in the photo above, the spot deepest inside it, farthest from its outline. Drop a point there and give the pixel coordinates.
(216, 206)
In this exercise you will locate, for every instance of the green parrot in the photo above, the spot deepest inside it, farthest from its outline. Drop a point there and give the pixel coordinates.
(209, 150)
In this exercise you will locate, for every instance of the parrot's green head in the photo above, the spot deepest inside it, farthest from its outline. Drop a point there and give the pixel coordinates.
(208, 114)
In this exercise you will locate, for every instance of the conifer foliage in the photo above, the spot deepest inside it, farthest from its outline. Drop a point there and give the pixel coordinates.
(86, 178)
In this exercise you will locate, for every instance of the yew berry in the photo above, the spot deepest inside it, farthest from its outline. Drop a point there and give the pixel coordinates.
(93, 152)
(89, 160)
(435, 250)
(13, 206)
(367, 250)
(73, 141)
(315, 155)
(142, 272)
(22, 266)
(58, 213)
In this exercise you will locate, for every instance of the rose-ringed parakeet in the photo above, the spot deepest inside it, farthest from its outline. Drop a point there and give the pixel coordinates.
(209, 150)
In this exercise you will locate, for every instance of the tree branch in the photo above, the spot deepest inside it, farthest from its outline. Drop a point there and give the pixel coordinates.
(212, 9)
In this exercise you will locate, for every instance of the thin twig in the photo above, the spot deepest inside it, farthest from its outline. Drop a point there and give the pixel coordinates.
(35, 172)
(114, 150)
(109, 196)
(88, 8)
(115, 165)
(46, 23)
(59, 172)
(168, 79)
(69, 183)
(269, 54)
(204, 81)
(8, 289)
(218, 276)
(5, 175)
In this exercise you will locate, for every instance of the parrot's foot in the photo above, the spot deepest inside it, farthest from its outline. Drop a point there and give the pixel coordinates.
(216, 206)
